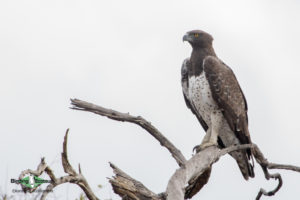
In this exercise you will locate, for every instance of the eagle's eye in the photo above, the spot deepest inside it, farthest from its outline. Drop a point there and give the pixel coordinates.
(196, 34)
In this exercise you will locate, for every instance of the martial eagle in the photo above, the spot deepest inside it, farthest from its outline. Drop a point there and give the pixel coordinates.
(214, 95)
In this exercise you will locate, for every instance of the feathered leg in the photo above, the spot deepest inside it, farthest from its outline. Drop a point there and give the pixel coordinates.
(211, 137)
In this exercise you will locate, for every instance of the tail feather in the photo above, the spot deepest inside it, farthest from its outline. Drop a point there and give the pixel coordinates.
(244, 164)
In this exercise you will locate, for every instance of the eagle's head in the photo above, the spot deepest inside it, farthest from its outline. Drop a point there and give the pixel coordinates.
(198, 38)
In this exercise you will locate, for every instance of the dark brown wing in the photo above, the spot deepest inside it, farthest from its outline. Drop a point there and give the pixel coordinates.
(228, 95)
(185, 88)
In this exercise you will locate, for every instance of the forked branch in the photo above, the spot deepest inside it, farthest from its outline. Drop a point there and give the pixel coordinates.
(198, 178)
(195, 184)
(126, 117)
(194, 172)
(72, 177)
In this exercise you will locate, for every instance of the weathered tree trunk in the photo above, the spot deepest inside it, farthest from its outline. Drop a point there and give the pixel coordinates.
(194, 172)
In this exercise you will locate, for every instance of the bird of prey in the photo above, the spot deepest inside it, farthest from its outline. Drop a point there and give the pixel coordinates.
(214, 95)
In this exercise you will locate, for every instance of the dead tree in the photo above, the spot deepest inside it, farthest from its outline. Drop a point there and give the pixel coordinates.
(194, 172)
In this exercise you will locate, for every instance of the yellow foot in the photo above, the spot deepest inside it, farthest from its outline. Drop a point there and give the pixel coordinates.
(202, 146)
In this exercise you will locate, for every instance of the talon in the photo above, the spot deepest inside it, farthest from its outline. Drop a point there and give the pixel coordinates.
(203, 146)
(197, 148)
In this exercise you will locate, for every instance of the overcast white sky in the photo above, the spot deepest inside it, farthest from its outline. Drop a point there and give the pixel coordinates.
(127, 55)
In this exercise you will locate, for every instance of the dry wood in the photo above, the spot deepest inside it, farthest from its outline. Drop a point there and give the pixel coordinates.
(194, 172)
(72, 177)
(129, 188)
(125, 117)
(198, 178)
(195, 184)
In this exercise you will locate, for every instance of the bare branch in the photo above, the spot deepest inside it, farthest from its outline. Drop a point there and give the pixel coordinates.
(197, 176)
(125, 186)
(195, 172)
(263, 162)
(40, 169)
(50, 173)
(281, 166)
(125, 117)
(194, 185)
(130, 189)
(236, 148)
(64, 157)
(265, 165)
(197, 165)
(272, 192)
(73, 177)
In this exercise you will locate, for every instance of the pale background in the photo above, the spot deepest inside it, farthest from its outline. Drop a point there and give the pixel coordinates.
(127, 55)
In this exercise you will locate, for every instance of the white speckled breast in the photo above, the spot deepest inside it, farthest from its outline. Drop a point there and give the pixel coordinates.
(200, 95)
(201, 98)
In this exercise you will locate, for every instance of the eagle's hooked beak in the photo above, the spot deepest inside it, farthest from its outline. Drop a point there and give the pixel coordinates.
(186, 37)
